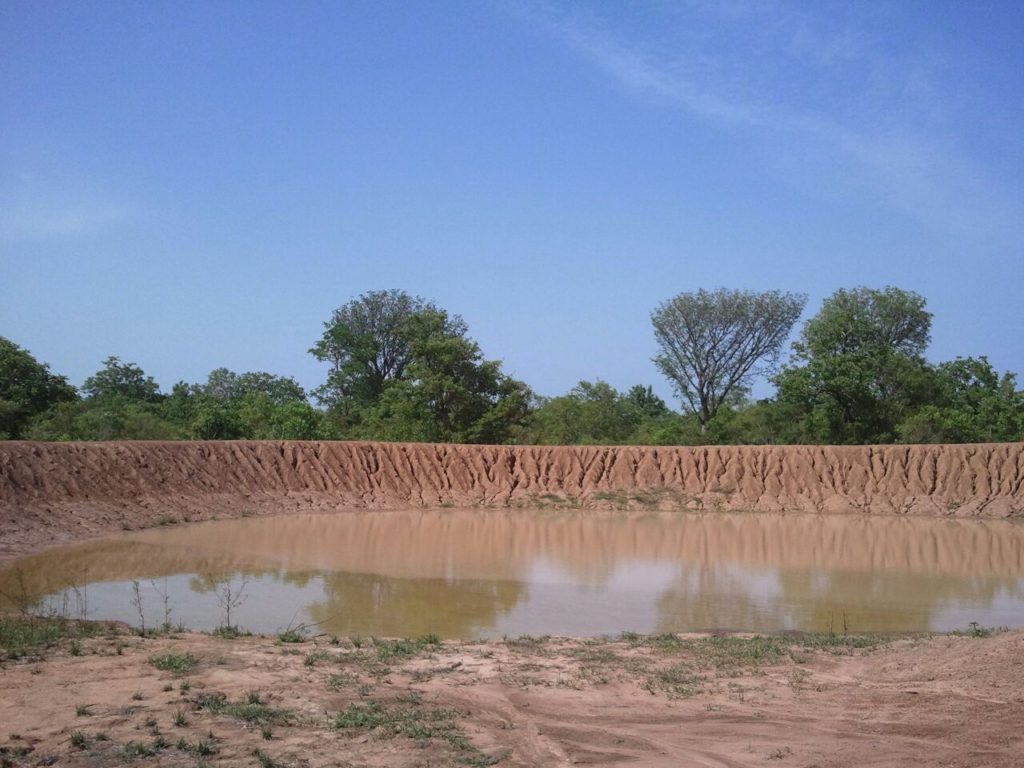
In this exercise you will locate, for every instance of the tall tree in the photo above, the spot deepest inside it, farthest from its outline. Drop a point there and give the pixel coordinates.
(711, 342)
(858, 369)
(27, 388)
(366, 347)
(447, 392)
(125, 380)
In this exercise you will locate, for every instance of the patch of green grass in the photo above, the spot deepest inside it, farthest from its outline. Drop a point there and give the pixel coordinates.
(24, 635)
(265, 760)
(178, 663)
(678, 681)
(421, 724)
(528, 642)
(180, 720)
(249, 711)
(204, 747)
(83, 710)
(230, 632)
(342, 680)
(389, 650)
(292, 636)
(79, 740)
(136, 749)
(315, 656)
(974, 630)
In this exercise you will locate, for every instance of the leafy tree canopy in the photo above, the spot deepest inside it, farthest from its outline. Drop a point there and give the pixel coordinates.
(223, 384)
(858, 368)
(27, 388)
(367, 347)
(710, 342)
(117, 379)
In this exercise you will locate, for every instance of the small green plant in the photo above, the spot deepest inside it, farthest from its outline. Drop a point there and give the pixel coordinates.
(313, 657)
(135, 749)
(388, 650)
(342, 680)
(178, 663)
(265, 760)
(168, 688)
(249, 711)
(102, 736)
(83, 710)
(179, 719)
(267, 733)
(79, 740)
(230, 632)
(24, 635)
(292, 636)
(75, 648)
(206, 746)
(137, 696)
(185, 686)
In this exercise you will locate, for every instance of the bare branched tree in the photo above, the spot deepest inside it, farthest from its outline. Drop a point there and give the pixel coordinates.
(229, 598)
(710, 342)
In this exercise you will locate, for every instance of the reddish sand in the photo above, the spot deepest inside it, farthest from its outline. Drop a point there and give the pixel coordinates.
(57, 492)
(940, 701)
(945, 701)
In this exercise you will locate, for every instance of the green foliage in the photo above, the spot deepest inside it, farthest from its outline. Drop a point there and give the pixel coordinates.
(366, 348)
(709, 342)
(972, 404)
(593, 413)
(178, 663)
(403, 369)
(858, 369)
(123, 380)
(27, 388)
(24, 635)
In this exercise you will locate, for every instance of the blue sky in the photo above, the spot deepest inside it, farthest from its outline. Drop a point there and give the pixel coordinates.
(191, 185)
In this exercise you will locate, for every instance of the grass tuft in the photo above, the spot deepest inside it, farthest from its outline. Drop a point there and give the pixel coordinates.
(178, 663)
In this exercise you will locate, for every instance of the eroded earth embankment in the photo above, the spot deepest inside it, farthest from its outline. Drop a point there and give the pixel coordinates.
(51, 492)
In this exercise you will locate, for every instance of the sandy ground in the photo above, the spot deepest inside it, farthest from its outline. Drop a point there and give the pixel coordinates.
(938, 701)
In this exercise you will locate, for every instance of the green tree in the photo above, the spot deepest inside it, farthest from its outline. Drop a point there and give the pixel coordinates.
(117, 379)
(27, 388)
(858, 369)
(595, 413)
(447, 391)
(972, 404)
(367, 347)
(711, 342)
(223, 384)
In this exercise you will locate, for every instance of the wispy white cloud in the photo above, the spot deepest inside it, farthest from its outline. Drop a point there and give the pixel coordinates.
(824, 81)
(36, 209)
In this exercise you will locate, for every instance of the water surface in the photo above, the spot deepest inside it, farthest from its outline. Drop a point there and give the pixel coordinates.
(487, 573)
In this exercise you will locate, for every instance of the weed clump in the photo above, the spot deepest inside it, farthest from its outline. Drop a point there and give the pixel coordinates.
(178, 663)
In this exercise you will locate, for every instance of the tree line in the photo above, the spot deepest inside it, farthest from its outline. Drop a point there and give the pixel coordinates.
(401, 368)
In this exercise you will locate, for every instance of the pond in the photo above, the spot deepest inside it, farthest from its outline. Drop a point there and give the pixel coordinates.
(486, 574)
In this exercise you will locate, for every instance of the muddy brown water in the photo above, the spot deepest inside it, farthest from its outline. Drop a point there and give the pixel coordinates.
(487, 574)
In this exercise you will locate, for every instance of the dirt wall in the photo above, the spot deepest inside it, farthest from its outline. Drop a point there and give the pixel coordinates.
(67, 490)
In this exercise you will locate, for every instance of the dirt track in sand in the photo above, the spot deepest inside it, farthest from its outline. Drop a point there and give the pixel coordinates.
(944, 701)
(57, 492)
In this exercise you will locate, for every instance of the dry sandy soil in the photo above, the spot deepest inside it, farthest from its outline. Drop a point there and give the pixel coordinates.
(701, 701)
